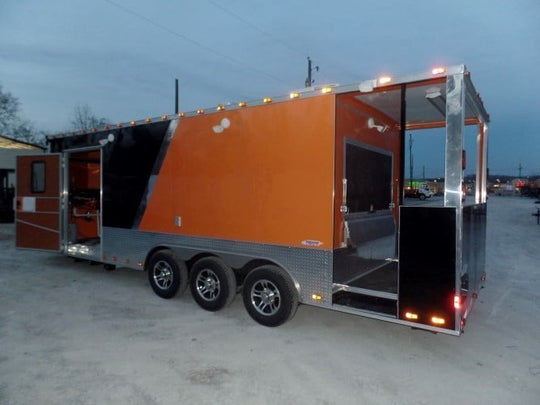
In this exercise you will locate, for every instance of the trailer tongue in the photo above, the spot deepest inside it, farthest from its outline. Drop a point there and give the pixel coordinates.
(297, 199)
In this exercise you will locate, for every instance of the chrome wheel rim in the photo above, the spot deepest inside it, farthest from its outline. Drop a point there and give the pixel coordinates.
(208, 285)
(265, 297)
(162, 274)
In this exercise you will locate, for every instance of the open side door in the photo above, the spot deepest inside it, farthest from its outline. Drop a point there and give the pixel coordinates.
(38, 200)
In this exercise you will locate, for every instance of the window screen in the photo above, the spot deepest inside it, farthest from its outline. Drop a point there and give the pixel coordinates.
(38, 177)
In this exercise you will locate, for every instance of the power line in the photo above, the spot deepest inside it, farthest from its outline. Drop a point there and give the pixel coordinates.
(192, 41)
(257, 28)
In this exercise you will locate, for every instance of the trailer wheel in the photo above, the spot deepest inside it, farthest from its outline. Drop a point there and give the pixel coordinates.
(422, 197)
(269, 296)
(213, 284)
(167, 274)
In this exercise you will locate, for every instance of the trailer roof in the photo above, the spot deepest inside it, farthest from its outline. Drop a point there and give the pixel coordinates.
(425, 100)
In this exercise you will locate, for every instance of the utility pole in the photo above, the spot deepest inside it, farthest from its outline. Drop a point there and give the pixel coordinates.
(176, 96)
(519, 168)
(410, 161)
(309, 81)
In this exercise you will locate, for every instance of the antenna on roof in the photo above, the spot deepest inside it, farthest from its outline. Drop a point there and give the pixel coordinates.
(309, 81)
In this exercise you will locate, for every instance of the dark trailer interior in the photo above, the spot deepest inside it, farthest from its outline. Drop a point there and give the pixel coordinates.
(394, 268)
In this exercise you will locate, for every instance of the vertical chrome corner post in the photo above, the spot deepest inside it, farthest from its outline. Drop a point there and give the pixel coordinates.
(455, 128)
(481, 164)
(453, 168)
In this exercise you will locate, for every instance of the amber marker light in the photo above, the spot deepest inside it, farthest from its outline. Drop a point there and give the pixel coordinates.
(317, 297)
(119, 125)
(181, 114)
(411, 316)
(384, 80)
(326, 90)
(220, 107)
(164, 117)
(133, 122)
(294, 95)
(437, 320)
(242, 104)
(267, 100)
(147, 120)
(200, 111)
(438, 70)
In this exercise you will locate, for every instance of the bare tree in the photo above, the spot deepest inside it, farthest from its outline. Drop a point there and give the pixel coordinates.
(84, 118)
(13, 125)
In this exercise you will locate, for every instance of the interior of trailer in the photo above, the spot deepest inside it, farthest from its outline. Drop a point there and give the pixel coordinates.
(84, 199)
(367, 267)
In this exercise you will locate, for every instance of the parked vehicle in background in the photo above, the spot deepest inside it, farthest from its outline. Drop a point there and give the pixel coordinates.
(421, 192)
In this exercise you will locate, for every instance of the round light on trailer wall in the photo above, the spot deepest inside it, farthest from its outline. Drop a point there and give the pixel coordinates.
(133, 122)
(220, 107)
(181, 114)
(242, 104)
(147, 120)
(267, 100)
(200, 111)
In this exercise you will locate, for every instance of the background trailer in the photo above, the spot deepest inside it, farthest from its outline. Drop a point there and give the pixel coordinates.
(291, 200)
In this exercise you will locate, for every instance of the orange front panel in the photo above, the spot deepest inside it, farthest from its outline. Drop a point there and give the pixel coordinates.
(38, 202)
(29, 236)
(263, 174)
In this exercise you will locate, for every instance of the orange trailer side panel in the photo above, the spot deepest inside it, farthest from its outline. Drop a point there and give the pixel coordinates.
(262, 174)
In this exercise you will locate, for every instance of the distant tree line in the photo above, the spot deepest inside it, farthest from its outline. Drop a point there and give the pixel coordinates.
(14, 126)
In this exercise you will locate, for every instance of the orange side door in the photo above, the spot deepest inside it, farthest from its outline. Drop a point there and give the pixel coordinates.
(38, 202)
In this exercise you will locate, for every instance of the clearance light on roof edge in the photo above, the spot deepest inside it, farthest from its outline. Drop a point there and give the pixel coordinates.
(220, 107)
(438, 70)
(200, 111)
(326, 90)
(133, 122)
(294, 95)
(384, 80)
(242, 104)
(181, 114)
(267, 100)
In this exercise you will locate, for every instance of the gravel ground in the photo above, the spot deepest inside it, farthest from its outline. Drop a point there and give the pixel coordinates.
(72, 333)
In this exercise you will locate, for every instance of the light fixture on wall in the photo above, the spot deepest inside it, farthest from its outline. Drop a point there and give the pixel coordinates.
(436, 99)
(371, 124)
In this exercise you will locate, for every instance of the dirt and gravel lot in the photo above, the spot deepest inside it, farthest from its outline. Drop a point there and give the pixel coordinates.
(72, 333)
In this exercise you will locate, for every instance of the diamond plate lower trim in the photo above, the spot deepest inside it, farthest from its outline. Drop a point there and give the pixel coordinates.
(310, 269)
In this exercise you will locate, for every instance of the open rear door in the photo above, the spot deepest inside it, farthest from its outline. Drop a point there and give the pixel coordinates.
(38, 219)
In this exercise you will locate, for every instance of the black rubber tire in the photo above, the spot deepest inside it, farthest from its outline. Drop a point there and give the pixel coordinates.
(212, 283)
(167, 274)
(422, 197)
(269, 296)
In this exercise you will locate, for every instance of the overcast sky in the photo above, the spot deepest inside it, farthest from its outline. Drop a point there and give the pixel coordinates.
(121, 57)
